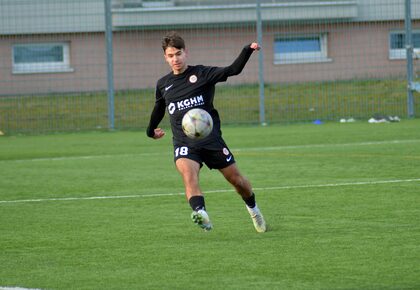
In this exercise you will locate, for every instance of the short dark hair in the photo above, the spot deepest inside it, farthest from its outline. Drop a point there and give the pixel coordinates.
(172, 39)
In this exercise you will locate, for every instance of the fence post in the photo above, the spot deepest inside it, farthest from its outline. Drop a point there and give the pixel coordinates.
(261, 65)
(409, 56)
(109, 63)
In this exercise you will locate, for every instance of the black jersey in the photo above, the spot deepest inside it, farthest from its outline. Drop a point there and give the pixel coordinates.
(194, 88)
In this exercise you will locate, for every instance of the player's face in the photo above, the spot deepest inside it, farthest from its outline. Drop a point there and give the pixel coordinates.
(176, 58)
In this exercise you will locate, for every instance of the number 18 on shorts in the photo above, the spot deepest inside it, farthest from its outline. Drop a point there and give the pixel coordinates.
(216, 158)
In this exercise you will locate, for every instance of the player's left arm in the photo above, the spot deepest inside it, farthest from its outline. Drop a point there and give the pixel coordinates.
(220, 74)
(237, 66)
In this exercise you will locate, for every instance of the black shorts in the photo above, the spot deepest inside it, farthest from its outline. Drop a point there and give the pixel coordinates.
(213, 157)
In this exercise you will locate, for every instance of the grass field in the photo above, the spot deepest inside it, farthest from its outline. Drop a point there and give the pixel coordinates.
(107, 211)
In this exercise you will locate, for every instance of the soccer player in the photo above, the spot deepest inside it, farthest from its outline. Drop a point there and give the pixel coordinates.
(187, 87)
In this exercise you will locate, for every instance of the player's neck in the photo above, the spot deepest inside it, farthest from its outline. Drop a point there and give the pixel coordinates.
(180, 71)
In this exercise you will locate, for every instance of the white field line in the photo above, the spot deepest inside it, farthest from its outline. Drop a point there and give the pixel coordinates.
(16, 288)
(355, 183)
(80, 157)
(373, 143)
(271, 148)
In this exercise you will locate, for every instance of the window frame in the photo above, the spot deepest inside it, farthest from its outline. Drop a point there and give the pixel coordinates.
(303, 57)
(400, 53)
(43, 67)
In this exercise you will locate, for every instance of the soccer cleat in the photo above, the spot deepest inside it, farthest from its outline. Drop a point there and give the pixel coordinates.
(201, 218)
(257, 219)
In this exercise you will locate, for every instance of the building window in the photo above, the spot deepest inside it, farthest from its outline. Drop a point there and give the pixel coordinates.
(41, 58)
(397, 48)
(300, 49)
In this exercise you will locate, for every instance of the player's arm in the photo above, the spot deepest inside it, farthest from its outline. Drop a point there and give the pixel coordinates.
(237, 66)
(157, 115)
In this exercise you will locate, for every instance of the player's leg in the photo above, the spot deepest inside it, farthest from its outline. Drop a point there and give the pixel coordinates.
(244, 188)
(239, 182)
(189, 170)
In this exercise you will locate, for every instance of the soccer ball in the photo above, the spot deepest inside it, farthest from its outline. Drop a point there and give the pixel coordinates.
(197, 124)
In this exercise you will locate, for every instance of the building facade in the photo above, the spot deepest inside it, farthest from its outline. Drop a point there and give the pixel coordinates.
(58, 46)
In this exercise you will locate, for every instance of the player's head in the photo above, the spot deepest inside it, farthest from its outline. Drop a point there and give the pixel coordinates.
(173, 39)
(174, 51)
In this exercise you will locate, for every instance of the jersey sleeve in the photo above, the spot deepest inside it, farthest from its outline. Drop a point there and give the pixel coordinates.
(220, 74)
(157, 114)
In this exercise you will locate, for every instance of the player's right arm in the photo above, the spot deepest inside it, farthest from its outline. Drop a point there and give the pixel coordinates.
(157, 115)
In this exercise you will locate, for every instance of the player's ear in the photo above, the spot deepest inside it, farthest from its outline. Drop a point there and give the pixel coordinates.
(165, 56)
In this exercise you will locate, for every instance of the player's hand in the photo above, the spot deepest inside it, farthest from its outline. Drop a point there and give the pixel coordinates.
(255, 46)
(159, 133)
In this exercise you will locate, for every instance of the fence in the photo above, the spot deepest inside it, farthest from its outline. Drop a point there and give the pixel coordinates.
(321, 60)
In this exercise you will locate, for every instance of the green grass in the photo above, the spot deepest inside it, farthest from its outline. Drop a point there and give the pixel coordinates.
(237, 104)
(105, 210)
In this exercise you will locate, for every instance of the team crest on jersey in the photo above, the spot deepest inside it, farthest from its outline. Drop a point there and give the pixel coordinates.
(225, 151)
(193, 79)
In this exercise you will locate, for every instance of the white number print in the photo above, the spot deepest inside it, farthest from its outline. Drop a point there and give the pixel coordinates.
(181, 151)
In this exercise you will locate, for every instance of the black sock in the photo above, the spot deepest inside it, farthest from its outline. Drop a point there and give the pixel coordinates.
(250, 201)
(197, 202)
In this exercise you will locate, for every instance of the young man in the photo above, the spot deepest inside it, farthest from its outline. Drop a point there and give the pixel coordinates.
(187, 87)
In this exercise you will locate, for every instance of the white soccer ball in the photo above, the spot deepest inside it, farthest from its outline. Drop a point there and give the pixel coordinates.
(197, 124)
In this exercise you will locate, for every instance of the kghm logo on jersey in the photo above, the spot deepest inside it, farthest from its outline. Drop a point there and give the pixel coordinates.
(186, 104)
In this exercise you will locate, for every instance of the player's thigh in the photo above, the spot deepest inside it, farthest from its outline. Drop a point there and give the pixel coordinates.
(188, 163)
(231, 173)
(188, 168)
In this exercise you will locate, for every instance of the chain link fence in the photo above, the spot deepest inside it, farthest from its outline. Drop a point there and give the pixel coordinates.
(321, 60)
